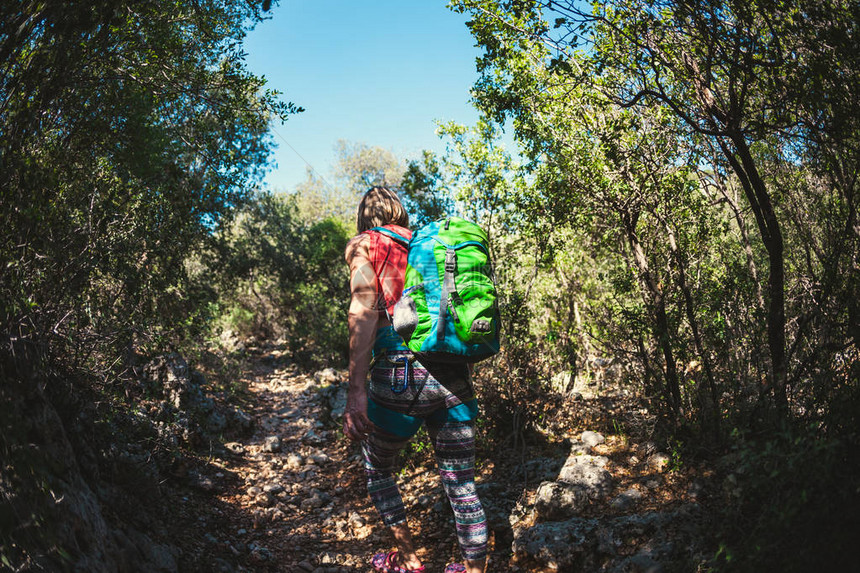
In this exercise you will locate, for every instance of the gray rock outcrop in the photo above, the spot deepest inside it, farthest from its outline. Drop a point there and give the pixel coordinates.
(599, 544)
(582, 478)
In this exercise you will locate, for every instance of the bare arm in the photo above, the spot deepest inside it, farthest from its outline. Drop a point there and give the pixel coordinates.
(363, 318)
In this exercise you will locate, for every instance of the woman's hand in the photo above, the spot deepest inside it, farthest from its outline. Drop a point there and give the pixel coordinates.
(356, 424)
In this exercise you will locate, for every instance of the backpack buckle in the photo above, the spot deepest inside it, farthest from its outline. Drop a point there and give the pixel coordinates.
(450, 261)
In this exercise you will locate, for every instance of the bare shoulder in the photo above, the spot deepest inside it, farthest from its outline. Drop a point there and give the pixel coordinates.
(362, 276)
(358, 247)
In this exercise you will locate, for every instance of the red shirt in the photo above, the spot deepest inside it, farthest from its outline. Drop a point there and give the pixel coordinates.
(388, 258)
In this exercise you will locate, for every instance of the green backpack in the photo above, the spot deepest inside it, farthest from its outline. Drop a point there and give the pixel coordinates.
(448, 311)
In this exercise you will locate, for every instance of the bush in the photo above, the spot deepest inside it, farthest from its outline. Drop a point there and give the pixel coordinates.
(790, 503)
(280, 276)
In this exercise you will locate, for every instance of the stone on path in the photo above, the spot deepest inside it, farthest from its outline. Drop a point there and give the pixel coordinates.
(294, 461)
(235, 447)
(311, 437)
(241, 419)
(599, 461)
(326, 376)
(659, 461)
(272, 444)
(593, 478)
(591, 439)
(579, 448)
(580, 544)
(582, 478)
(626, 499)
(558, 500)
(273, 488)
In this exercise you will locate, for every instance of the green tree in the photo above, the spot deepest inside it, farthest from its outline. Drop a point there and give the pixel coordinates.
(128, 133)
(424, 192)
(358, 167)
(286, 275)
(730, 85)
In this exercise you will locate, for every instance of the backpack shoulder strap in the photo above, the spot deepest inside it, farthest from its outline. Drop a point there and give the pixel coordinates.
(389, 264)
(392, 234)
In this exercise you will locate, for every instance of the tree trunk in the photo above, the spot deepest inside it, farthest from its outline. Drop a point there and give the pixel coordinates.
(743, 164)
(661, 322)
(719, 184)
(709, 399)
(756, 192)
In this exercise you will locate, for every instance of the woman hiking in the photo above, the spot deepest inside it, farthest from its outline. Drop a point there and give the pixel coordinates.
(403, 394)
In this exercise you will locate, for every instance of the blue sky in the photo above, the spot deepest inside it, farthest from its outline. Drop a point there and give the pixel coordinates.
(376, 72)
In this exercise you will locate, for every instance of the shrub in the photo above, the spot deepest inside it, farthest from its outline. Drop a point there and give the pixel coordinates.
(790, 503)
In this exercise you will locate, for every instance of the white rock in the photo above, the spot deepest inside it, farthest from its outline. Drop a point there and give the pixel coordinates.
(599, 461)
(272, 444)
(555, 500)
(596, 480)
(235, 447)
(591, 439)
(659, 461)
(326, 376)
(578, 448)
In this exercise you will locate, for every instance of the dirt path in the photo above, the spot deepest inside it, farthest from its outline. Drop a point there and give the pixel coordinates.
(292, 497)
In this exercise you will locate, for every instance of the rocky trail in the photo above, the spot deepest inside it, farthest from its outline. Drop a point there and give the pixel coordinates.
(290, 496)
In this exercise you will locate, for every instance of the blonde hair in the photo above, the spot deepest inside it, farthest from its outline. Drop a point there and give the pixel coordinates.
(380, 206)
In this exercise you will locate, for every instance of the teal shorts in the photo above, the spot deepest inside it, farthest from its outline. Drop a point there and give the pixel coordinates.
(405, 425)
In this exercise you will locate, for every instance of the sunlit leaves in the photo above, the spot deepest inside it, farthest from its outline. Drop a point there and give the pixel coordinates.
(129, 132)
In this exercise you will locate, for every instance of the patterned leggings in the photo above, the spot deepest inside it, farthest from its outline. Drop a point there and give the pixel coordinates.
(454, 444)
